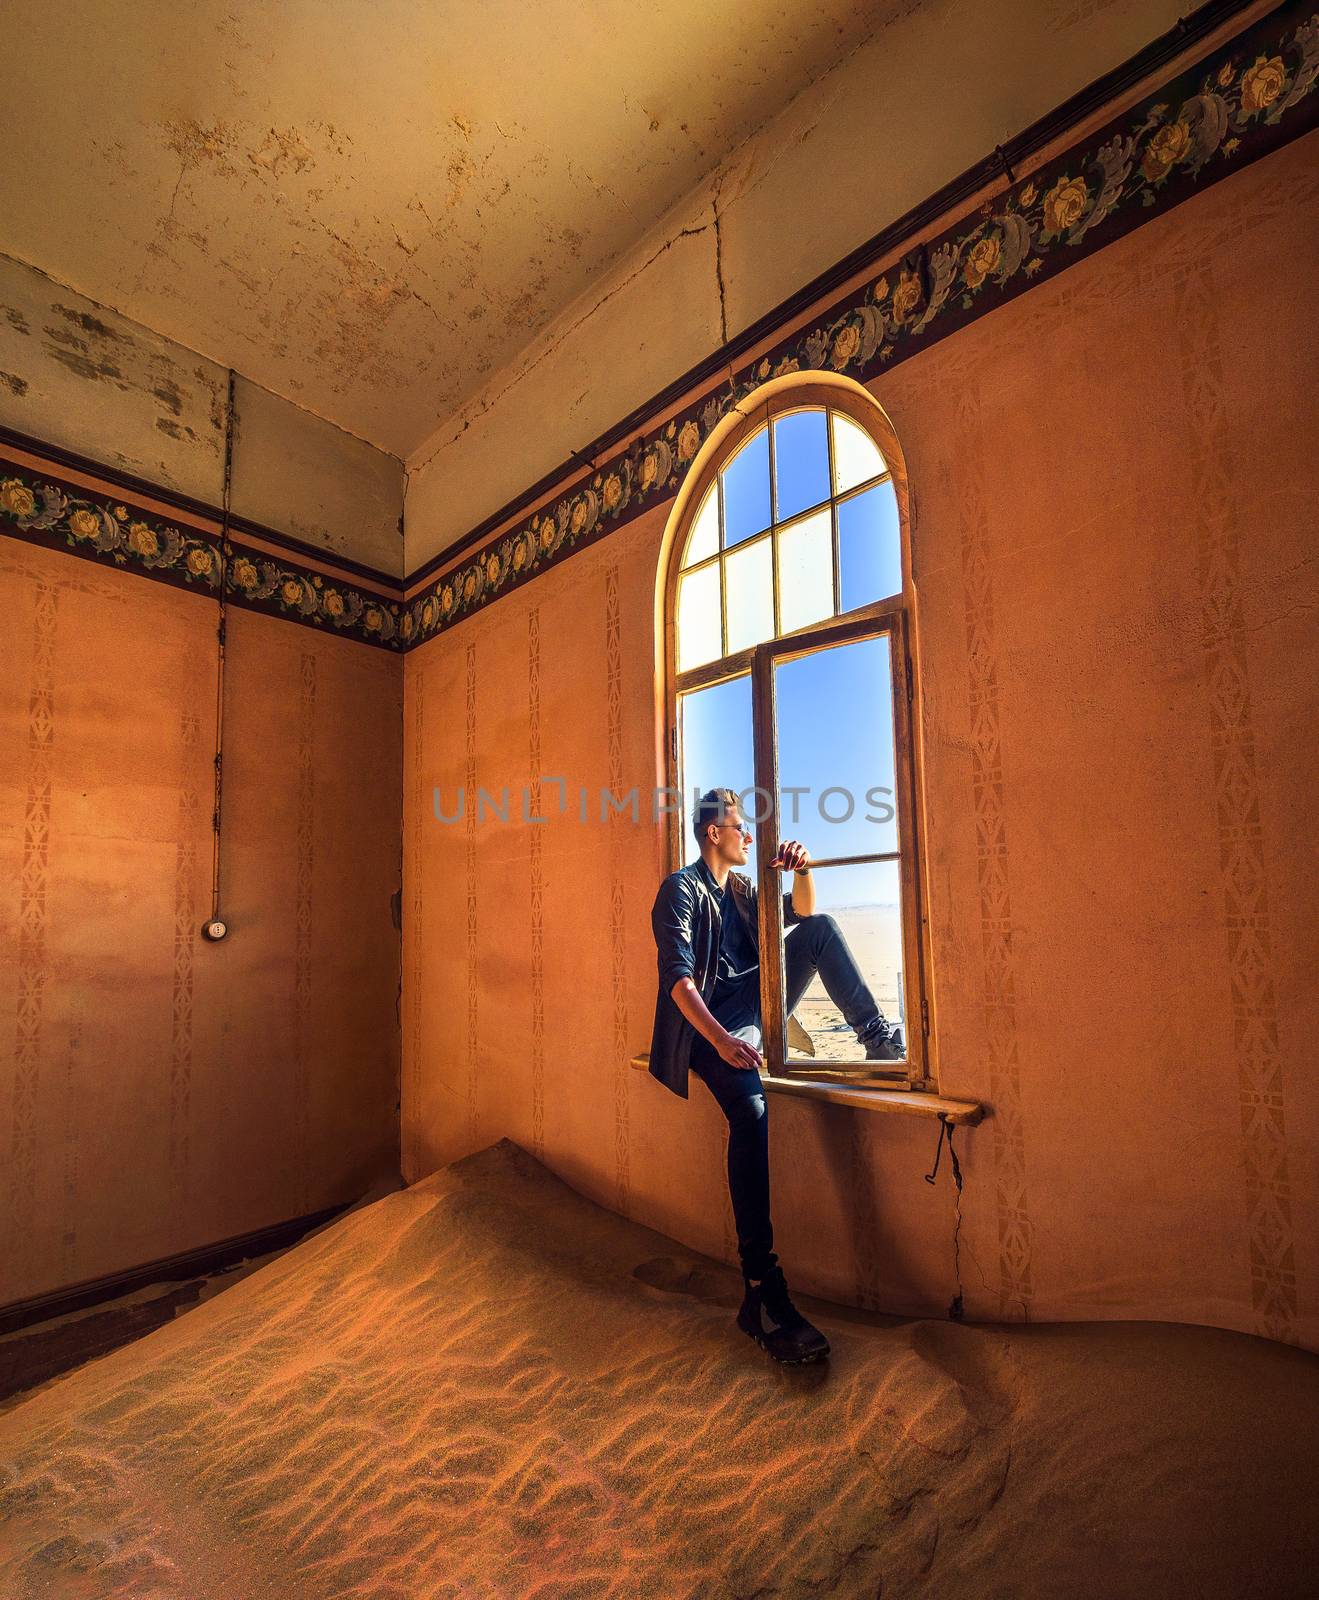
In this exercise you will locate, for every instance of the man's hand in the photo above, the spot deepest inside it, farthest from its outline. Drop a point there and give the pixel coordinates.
(791, 856)
(738, 1053)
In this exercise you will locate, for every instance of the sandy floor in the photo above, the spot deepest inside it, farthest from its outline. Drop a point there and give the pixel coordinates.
(831, 1036)
(487, 1386)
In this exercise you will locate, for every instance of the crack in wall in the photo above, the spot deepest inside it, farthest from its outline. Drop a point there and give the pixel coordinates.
(486, 405)
(736, 170)
(719, 262)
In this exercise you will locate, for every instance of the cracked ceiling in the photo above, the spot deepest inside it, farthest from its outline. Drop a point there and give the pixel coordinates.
(369, 206)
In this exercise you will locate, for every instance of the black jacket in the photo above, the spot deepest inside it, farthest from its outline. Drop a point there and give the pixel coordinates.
(687, 922)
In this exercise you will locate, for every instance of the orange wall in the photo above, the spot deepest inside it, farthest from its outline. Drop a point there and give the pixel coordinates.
(158, 1092)
(1113, 561)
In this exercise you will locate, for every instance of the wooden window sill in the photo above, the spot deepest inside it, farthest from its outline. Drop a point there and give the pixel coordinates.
(871, 1097)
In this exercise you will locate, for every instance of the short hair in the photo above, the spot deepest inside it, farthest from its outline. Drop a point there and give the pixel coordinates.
(711, 807)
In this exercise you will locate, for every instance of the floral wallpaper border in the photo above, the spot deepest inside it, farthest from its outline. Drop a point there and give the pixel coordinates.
(105, 527)
(1244, 100)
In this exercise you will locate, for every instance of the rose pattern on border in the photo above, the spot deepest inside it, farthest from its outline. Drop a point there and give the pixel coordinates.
(1012, 238)
(109, 531)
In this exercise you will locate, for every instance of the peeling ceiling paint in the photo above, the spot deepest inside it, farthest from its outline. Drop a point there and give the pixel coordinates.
(368, 206)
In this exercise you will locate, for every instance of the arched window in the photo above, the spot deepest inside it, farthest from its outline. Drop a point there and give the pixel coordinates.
(790, 681)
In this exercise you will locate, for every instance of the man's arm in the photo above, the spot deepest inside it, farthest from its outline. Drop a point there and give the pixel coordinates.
(794, 856)
(801, 901)
(671, 920)
(803, 896)
(736, 1052)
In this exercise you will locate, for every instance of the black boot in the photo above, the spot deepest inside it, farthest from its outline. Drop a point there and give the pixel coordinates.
(885, 1044)
(791, 1339)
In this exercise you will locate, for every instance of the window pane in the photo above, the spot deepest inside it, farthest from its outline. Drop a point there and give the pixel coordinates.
(746, 490)
(750, 595)
(801, 463)
(698, 617)
(806, 571)
(866, 903)
(834, 710)
(716, 752)
(856, 455)
(869, 552)
(704, 538)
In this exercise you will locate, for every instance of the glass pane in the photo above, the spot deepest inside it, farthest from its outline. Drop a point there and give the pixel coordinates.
(856, 455)
(806, 571)
(698, 617)
(746, 490)
(834, 710)
(801, 463)
(866, 903)
(869, 547)
(716, 750)
(703, 540)
(750, 595)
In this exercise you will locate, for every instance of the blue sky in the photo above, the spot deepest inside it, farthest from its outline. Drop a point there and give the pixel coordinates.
(835, 729)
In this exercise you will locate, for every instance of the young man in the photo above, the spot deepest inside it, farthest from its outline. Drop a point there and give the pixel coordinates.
(707, 1014)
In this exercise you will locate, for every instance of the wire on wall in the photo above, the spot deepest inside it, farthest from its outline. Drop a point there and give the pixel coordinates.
(216, 928)
(946, 1131)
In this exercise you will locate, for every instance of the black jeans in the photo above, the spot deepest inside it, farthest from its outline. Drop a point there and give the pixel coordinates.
(815, 944)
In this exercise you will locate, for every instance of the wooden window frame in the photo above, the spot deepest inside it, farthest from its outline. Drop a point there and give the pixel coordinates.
(891, 617)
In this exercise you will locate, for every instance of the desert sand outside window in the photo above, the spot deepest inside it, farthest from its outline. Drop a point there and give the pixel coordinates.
(789, 668)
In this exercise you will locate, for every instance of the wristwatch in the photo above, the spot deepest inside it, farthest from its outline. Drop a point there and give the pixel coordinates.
(801, 872)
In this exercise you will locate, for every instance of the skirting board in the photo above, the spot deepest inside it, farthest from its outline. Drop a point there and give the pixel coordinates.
(196, 1263)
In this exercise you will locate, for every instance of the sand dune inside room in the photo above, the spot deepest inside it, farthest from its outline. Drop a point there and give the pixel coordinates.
(489, 1386)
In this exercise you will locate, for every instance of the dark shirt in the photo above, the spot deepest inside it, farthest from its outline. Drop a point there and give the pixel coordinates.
(737, 956)
(736, 998)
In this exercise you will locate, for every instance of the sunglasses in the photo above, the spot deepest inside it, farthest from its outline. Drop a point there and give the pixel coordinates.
(740, 826)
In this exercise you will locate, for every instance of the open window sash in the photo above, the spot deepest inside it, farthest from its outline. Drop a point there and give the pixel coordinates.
(884, 620)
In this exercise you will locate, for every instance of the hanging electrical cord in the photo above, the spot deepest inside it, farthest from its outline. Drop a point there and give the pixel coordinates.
(216, 927)
(946, 1131)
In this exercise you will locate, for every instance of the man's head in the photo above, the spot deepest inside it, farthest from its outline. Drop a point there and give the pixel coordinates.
(720, 831)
